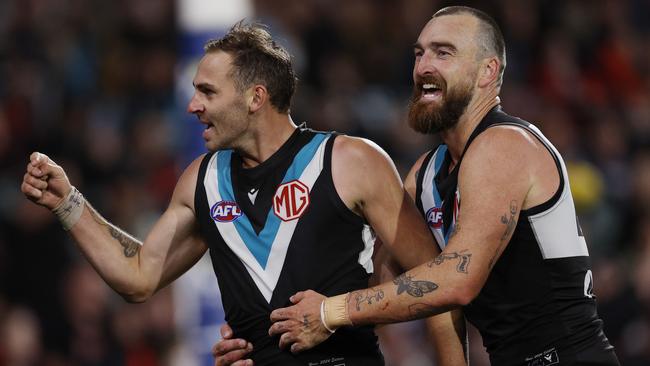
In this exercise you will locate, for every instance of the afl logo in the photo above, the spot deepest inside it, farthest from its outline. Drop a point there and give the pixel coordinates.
(225, 211)
(291, 200)
(434, 217)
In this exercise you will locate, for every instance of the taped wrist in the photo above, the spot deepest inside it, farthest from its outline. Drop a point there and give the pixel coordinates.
(334, 312)
(70, 209)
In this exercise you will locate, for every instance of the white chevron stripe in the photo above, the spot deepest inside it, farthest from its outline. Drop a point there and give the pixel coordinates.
(265, 279)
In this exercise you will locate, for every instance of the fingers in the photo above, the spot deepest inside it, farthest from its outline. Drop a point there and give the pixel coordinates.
(282, 327)
(30, 191)
(38, 159)
(226, 331)
(297, 297)
(40, 165)
(37, 183)
(229, 345)
(234, 357)
(290, 340)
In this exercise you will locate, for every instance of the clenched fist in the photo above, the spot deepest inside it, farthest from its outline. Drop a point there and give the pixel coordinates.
(45, 182)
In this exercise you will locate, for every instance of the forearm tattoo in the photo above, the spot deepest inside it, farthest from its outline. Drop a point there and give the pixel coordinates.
(367, 296)
(421, 310)
(463, 263)
(130, 245)
(415, 288)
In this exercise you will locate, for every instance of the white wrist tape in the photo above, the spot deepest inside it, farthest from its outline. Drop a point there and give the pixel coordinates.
(334, 312)
(69, 211)
(322, 317)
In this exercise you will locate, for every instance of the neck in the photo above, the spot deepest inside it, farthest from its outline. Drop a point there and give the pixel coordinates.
(456, 137)
(267, 136)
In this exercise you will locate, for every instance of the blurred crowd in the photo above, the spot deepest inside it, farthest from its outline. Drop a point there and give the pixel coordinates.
(92, 84)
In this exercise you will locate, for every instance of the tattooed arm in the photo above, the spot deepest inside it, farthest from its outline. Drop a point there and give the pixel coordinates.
(132, 268)
(503, 170)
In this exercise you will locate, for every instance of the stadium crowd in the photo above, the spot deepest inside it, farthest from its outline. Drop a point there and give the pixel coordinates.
(92, 83)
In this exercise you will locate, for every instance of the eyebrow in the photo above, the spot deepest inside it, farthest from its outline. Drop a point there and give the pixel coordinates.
(204, 86)
(418, 45)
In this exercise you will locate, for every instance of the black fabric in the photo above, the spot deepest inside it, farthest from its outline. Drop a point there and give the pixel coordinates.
(530, 307)
(322, 255)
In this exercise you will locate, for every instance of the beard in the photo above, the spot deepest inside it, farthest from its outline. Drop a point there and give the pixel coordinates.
(427, 118)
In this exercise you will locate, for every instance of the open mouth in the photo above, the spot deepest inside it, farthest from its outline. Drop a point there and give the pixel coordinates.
(431, 91)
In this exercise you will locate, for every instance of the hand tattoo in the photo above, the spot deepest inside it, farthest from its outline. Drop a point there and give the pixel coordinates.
(412, 287)
(367, 296)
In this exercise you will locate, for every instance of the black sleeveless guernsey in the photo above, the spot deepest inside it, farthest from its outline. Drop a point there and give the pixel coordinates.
(537, 306)
(279, 228)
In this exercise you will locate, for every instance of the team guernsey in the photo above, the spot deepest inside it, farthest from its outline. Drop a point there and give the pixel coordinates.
(537, 306)
(280, 228)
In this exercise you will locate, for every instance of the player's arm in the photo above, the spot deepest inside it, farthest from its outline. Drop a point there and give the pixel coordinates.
(494, 181)
(132, 268)
(447, 331)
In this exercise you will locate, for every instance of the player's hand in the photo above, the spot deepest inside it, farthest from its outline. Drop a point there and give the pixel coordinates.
(300, 325)
(44, 181)
(229, 351)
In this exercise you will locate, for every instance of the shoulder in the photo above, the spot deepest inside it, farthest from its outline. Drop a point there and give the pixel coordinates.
(357, 149)
(505, 154)
(186, 185)
(410, 183)
(508, 144)
(361, 170)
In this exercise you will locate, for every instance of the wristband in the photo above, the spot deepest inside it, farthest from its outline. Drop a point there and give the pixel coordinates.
(70, 209)
(334, 312)
(322, 317)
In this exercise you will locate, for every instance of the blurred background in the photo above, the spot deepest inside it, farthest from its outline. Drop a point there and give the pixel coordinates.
(101, 86)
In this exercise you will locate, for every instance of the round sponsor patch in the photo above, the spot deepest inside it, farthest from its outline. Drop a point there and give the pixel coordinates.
(225, 211)
(434, 217)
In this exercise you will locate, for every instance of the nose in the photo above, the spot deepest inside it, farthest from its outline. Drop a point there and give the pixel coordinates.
(195, 106)
(424, 64)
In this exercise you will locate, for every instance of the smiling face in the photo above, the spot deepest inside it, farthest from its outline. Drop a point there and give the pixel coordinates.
(218, 104)
(445, 72)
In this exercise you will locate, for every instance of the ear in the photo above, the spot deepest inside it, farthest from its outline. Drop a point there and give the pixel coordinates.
(257, 96)
(489, 72)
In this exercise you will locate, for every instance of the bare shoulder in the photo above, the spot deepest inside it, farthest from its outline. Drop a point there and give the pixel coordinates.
(186, 185)
(360, 167)
(357, 149)
(512, 153)
(410, 183)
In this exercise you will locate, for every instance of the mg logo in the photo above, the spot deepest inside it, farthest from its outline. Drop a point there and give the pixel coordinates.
(434, 217)
(291, 200)
(225, 211)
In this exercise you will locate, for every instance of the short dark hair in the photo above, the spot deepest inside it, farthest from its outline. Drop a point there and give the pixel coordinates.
(258, 59)
(489, 33)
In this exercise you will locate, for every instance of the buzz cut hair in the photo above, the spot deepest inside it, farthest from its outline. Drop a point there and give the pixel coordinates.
(489, 36)
(258, 59)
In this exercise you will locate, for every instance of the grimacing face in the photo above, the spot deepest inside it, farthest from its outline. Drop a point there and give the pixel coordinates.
(444, 73)
(217, 103)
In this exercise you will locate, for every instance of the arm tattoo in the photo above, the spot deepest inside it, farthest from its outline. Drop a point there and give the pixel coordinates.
(412, 287)
(130, 245)
(463, 263)
(420, 310)
(305, 322)
(510, 223)
(368, 296)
